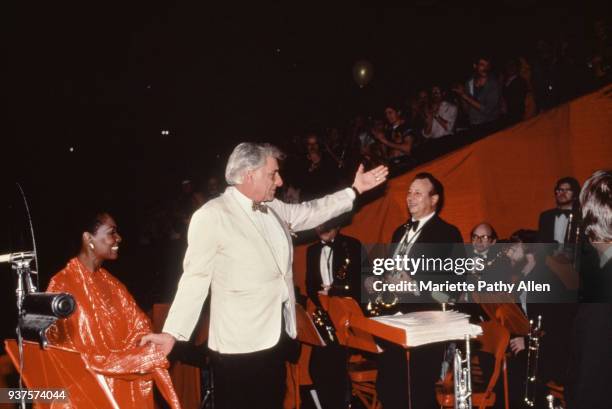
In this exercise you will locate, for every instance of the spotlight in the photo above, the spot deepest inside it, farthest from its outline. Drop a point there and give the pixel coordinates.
(40, 311)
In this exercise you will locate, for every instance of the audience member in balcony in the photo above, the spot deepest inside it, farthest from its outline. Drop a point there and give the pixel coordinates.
(544, 76)
(440, 116)
(514, 93)
(481, 94)
(360, 133)
(318, 175)
(398, 148)
(418, 111)
(335, 147)
(213, 188)
(600, 61)
(462, 122)
(395, 122)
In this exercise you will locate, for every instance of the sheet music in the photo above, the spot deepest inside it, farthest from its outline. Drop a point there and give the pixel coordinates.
(427, 327)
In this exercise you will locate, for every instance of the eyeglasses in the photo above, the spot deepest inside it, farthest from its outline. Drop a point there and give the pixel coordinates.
(562, 190)
(484, 237)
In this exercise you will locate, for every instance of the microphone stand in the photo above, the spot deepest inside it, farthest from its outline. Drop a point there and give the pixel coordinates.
(20, 262)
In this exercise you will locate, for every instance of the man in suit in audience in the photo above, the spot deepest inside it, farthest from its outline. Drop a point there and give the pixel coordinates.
(333, 267)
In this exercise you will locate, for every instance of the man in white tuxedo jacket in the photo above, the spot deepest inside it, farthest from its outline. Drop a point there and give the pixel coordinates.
(239, 246)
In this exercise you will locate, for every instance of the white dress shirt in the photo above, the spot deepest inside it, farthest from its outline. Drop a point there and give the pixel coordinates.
(326, 263)
(270, 229)
(561, 221)
(448, 112)
(414, 235)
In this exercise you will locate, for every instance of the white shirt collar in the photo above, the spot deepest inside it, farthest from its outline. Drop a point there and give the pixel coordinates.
(243, 201)
(425, 219)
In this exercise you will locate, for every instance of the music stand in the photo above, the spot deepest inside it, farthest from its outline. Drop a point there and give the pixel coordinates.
(57, 367)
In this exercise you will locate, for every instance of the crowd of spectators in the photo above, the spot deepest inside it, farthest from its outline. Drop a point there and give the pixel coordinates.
(434, 120)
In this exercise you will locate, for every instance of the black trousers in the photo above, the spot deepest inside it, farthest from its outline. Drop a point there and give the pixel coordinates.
(328, 370)
(252, 380)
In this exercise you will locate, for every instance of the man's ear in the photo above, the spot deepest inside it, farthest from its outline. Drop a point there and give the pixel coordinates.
(86, 237)
(247, 177)
(434, 199)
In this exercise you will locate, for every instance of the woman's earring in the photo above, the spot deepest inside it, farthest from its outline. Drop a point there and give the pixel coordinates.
(91, 245)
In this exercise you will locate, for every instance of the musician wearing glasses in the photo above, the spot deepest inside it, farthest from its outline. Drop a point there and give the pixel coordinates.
(333, 267)
(483, 238)
(425, 199)
(553, 223)
(239, 248)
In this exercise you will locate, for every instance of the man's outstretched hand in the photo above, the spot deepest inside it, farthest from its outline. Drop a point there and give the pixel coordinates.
(365, 181)
(164, 341)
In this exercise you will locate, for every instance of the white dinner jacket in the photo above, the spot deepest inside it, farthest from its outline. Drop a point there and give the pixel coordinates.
(227, 253)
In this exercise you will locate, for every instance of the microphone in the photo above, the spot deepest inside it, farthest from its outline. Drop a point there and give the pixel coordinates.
(9, 257)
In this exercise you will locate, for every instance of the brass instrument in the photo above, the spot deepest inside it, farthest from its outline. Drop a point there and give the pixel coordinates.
(386, 302)
(550, 399)
(535, 332)
(340, 286)
(341, 283)
(324, 326)
(462, 378)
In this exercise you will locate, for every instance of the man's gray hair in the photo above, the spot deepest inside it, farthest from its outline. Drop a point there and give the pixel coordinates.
(596, 202)
(249, 156)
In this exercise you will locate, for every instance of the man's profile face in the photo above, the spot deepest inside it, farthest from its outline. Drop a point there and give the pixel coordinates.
(482, 238)
(436, 94)
(564, 194)
(420, 201)
(265, 180)
(482, 67)
(312, 144)
(392, 115)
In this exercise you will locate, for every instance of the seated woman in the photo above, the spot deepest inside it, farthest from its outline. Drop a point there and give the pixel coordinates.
(107, 325)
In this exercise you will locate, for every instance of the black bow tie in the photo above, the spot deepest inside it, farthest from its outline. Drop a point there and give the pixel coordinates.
(566, 212)
(412, 224)
(260, 206)
(327, 243)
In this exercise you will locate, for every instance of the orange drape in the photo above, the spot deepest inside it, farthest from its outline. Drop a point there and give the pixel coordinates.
(506, 178)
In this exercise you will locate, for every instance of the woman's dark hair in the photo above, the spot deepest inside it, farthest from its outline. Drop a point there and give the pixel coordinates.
(82, 222)
(574, 185)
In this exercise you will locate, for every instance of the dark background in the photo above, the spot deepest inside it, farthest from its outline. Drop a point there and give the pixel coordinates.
(106, 79)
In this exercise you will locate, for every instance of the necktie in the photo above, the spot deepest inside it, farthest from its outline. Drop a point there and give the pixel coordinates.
(260, 206)
(413, 224)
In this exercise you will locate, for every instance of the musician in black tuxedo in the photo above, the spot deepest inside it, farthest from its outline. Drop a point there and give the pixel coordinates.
(552, 224)
(329, 256)
(425, 199)
(332, 265)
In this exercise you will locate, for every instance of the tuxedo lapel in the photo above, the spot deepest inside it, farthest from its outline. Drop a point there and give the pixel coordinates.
(245, 221)
(289, 241)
